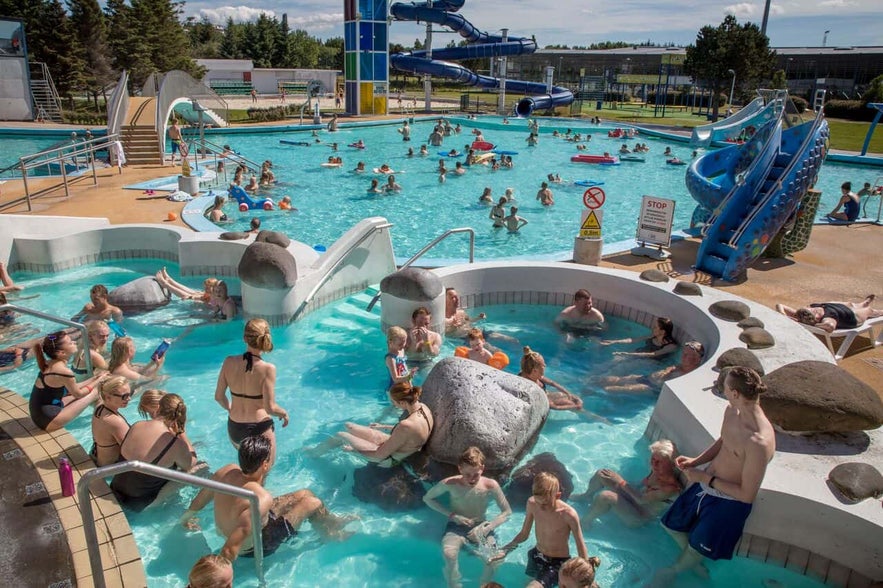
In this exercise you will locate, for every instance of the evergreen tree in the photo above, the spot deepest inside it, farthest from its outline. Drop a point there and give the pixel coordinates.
(304, 50)
(233, 42)
(56, 45)
(331, 53)
(261, 40)
(283, 57)
(128, 46)
(779, 82)
(205, 38)
(87, 22)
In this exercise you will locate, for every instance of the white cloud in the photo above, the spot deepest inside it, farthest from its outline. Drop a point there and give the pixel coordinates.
(777, 9)
(741, 10)
(221, 14)
(836, 3)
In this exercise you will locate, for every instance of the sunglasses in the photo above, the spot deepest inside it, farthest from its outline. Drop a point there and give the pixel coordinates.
(123, 397)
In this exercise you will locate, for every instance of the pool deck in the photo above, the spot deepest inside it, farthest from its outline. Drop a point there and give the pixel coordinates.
(840, 263)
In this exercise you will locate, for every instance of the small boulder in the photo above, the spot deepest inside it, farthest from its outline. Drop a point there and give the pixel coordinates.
(739, 356)
(412, 283)
(857, 481)
(274, 237)
(520, 486)
(653, 275)
(475, 404)
(392, 489)
(233, 235)
(139, 295)
(730, 310)
(751, 321)
(264, 265)
(687, 289)
(757, 338)
(820, 397)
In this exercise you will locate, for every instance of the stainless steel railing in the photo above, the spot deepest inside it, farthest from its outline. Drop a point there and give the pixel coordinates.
(57, 319)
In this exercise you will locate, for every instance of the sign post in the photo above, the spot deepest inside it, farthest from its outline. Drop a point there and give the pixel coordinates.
(588, 244)
(654, 227)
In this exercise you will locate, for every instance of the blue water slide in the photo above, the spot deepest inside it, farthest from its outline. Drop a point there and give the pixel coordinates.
(482, 45)
(729, 127)
(768, 196)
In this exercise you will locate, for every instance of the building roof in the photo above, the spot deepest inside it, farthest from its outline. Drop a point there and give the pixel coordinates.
(226, 64)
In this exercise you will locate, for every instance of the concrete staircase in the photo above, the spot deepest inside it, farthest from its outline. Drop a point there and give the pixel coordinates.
(138, 133)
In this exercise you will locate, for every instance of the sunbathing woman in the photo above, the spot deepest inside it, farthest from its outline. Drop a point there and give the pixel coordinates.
(660, 344)
(829, 316)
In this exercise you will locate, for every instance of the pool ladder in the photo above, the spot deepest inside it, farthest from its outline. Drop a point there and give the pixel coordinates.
(98, 474)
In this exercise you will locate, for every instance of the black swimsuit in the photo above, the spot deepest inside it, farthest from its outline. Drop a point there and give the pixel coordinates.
(841, 313)
(46, 403)
(136, 490)
(239, 431)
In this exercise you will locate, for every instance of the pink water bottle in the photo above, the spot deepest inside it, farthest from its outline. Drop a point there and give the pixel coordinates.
(66, 474)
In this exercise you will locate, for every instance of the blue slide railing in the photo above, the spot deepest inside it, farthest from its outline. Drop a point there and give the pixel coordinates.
(482, 45)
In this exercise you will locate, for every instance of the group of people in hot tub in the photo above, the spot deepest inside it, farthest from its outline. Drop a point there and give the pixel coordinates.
(708, 517)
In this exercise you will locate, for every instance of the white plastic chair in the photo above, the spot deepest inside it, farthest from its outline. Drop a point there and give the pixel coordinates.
(849, 335)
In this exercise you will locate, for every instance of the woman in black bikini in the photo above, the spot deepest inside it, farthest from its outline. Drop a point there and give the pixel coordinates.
(658, 345)
(161, 442)
(109, 427)
(57, 398)
(252, 385)
(408, 436)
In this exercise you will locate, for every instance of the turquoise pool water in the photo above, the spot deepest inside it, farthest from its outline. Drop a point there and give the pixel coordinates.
(325, 379)
(330, 201)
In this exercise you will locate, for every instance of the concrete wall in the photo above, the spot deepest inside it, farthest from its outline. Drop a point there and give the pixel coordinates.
(15, 89)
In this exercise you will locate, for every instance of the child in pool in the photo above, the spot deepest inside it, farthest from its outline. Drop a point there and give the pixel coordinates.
(396, 364)
(285, 204)
(477, 351)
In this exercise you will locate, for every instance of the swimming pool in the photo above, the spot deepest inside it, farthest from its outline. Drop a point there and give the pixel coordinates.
(332, 381)
(330, 200)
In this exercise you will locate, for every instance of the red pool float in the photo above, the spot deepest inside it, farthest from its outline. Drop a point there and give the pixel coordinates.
(608, 159)
(482, 146)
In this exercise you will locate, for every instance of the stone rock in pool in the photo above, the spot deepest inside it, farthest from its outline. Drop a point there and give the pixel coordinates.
(412, 283)
(820, 397)
(653, 275)
(687, 289)
(730, 310)
(264, 265)
(757, 338)
(520, 486)
(392, 489)
(741, 357)
(857, 481)
(475, 404)
(139, 295)
(274, 237)
(234, 235)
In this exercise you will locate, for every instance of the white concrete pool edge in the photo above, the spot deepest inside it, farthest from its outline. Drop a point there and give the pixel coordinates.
(797, 522)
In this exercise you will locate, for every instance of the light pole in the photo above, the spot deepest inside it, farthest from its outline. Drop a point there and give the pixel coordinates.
(732, 86)
(825, 39)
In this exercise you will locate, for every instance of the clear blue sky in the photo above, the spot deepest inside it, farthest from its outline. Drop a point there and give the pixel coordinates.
(792, 23)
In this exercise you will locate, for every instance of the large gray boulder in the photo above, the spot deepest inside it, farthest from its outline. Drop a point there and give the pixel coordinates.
(265, 265)
(412, 283)
(857, 481)
(139, 295)
(392, 489)
(475, 404)
(274, 237)
(820, 397)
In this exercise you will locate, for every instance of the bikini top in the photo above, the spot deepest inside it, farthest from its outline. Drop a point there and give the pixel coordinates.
(100, 410)
(249, 358)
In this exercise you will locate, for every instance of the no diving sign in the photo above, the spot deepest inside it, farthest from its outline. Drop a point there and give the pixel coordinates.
(594, 198)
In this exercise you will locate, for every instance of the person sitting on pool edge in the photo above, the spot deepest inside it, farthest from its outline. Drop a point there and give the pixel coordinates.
(849, 201)
(581, 315)
(830, 316)
(639, 504)
(281, 516)
(691, 357)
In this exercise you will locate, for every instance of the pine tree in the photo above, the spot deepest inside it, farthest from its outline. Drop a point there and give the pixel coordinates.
(283, 57)
(52, 41)
(88, 25)
(233, 42)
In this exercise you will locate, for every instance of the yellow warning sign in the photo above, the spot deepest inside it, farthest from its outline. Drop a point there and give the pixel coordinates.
(591, 226)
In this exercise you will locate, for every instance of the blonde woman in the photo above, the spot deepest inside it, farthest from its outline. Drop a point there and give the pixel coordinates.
(533, 368)
(223, 303)
(183, 292)
(160, 442)
(97, 334)
(148, 406)
(252, 385)
(211, 571)
(109, 427)
(122, 352)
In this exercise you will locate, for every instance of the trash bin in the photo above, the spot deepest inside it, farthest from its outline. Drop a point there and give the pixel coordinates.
(599, 104)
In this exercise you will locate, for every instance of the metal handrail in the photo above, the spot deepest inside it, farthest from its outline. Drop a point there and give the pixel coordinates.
(432, 244)
(91, 533)
(234, 157)
(330, 272)
(56, 319)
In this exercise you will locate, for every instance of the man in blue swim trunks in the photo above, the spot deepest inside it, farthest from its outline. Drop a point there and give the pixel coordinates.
(281, 516)
(708, 518)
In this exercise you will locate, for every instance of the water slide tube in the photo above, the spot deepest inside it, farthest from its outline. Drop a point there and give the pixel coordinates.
(753, 115)
(481, 45)
(755, 211)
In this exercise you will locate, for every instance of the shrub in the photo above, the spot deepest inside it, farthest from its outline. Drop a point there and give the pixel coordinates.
(800, 104)
(849, 110)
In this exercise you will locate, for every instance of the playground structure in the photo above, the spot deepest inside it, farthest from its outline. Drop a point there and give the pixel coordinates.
(747, 193)
(367, 59)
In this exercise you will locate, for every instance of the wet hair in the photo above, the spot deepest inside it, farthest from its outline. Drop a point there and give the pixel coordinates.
(531, 360)
(545, 484)
(396, 333)
(255, 223)
(99, 289)
(582, 294)
(405, 392)
(746, 382)
(95, 327)
(257, 335)
(666, 325)
(581, 571)
(119, 352)
(209, 284)
(209, 572)
(420, 310)
(846, 186)
(111, 385)
(49, 347)
(174, 412)
(473, 456)
(663, 447)
(805, 316)
(253, 452)
(474, 334)
(149, 403)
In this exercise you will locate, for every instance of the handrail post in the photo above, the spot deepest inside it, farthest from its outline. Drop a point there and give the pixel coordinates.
(56, 319)
(24, 181)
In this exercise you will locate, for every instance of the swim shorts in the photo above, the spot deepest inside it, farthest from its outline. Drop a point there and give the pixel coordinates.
(462, 530)
(542, 568)
(714, 523)
(276, 532)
